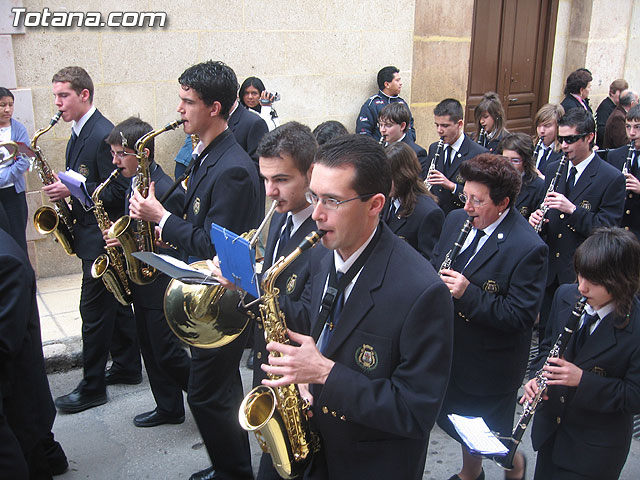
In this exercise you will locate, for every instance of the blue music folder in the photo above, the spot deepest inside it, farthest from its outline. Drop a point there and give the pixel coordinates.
(237, 259)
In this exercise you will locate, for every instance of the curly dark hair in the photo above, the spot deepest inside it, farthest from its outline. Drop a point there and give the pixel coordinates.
(213, 82)
(577, 80)
(497, 173)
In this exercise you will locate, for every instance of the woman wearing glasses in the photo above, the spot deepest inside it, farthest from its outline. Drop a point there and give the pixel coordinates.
(518, 148)
(496, 282)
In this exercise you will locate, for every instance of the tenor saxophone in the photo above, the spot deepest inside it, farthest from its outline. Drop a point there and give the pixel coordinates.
(56, 219)
(277, 416)
(552, 188)
(142, 238)
(110, 266)
(434, 162)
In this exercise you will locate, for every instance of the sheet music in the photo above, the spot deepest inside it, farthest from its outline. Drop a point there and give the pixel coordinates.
(477, 436)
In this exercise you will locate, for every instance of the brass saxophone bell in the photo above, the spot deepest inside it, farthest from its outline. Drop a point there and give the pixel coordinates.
(11, 148)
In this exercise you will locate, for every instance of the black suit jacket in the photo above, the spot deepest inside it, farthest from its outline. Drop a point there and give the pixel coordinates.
(592, 422)
(530, 197)
(550, 157)
(570, 102)
(451, 200)
(422, 228)
(224, 189)
(291, 282)
(599, 197)
(494, 317)
(602, 115)
(631, 216)
(90, 156)
(381, 399)
(248, 127)
(420, 152)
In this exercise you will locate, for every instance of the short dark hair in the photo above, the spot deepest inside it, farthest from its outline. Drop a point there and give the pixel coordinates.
(386, 75)
(634, 113)
(292, 138)
(497, 173)
(5, 92)
(406, 175)
(449, 107)
(250, 82)
(521, 143)
(618, 85)
(577, 80)
(580, 119)
(610, 257)
(397, 112)
(491, 104)
(372, 171)
(628, 98)
(329, 130)
(77, 77)
(132, 129)
(213, 82)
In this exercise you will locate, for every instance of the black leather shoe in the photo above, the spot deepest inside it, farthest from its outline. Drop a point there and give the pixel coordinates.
(77, 401)
(112, 377)
(206, 474)
(155, 418)
(457, 477)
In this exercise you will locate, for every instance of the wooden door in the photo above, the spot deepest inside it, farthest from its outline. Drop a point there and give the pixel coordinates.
(511, 53)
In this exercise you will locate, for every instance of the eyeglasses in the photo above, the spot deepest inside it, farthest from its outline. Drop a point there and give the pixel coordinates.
(331, 203)
(569, 139)
(472, 200)
(121, 154)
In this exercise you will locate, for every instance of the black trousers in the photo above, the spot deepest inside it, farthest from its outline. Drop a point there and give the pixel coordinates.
(166, 362)
(215, 394)
(545, 309)
(13, 466)
(15, 206)
(107, 327)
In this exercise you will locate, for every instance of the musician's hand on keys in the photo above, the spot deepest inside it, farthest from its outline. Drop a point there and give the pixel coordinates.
(559, 202)
(148, 209)
(562, 372)
(530, 391)
(56, 191)
(535, 218)
(436, 177)
(633, 185)
(307, 398)
(111, 242)
(455, 282)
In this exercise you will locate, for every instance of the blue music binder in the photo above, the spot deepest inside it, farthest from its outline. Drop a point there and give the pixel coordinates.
(237, 259)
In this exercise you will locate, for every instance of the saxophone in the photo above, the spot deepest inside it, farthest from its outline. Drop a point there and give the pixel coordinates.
(552, 188)
(529, 408)
(277, 416)
(434, 162)
(457, 246)
(110, 266)
(56, 219)
(140, 239)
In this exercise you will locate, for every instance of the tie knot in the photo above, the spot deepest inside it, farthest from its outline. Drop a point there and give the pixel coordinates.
(289, 222)
(590, 320)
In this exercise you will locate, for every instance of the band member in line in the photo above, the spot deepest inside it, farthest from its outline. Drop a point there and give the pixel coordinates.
(393, 122)
(107, 326)
(546, 121)
(223, 188)
(446, 180)
(412, 212)
(518, 148)
(165, 360)
(631, 154)
(489, 115)
(583, 426)
(589, 193)
(496, 283)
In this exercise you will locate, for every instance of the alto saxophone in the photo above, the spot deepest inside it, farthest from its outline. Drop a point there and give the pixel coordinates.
(110, 266)
(552, 188)
(56, 219)
(277, 416)
(141, 239)
(529, 407)
(434, 162)
(457, 246)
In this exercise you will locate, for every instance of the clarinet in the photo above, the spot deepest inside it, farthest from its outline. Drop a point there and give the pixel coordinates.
(552, 188)
(482, 137)
(626, 168)
(529, 407)
(536, 150)
(457, 246)
(434, 161)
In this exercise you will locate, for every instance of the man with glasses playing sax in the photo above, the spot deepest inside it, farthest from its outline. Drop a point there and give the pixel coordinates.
(590, 193)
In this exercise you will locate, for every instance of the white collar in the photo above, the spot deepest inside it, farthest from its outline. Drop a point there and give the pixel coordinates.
(458, 143)
(299, 218)
(77, 126)
(581, 166)
(344, 265)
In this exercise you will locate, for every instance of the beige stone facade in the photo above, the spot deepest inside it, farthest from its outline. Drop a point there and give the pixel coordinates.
(321, 55)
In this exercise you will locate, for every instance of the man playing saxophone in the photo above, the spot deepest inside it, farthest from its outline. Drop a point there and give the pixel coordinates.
(223, 188)
(166, 362)
(107, 326)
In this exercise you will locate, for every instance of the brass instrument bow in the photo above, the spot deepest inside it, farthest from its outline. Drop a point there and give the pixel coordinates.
(56, 219)
(12, 149)
(206, 316)
(553, 185)
(141, 239)
(277, 416)
(434, 162)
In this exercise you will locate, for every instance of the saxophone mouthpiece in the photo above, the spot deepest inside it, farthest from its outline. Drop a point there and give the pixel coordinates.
(55, 118)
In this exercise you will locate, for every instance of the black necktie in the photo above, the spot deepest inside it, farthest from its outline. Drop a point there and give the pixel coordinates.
(72, 142)
(285, 235)
(570, 181)
(334, 315)
(461, 261)
(634, 164)
(585, 330)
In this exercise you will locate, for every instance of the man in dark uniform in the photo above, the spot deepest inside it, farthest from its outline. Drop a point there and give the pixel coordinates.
(223, 188)
(607, 106)
(106, 325)
(446, 181)
(390, 85)
(629, 155)
(248, 127)
(165, 360)
(394, 123)
(379, 370)
(590, 193)
(615, 134)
